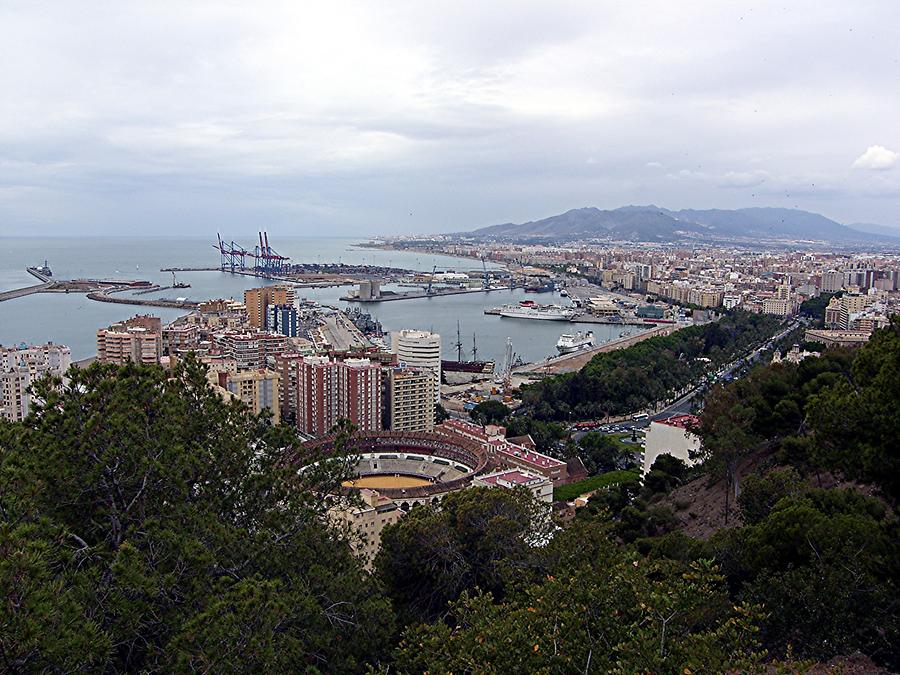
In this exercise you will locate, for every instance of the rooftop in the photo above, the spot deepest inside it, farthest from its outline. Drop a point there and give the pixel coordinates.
(681, 421)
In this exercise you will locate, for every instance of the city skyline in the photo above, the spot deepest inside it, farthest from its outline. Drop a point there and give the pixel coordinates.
(391, 120)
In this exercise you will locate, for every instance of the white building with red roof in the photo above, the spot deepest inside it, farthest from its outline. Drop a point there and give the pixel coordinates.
(672, 436)
(541, 488)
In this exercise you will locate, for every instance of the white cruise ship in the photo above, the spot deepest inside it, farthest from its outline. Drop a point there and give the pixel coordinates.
(569, 343)
(531, 310)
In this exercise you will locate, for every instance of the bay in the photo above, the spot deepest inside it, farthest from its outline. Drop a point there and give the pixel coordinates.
(72, 319)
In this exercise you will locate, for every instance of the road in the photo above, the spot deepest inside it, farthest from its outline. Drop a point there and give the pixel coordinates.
(684, 404)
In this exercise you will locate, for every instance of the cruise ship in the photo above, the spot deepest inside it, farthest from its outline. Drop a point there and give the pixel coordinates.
(569, 343)
(530, 310)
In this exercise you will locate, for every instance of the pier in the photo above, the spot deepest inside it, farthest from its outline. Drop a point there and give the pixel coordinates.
(569, 363)
(414, 295)
(28, 290)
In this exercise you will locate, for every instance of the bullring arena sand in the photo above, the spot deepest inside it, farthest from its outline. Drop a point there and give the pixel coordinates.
(386, 481)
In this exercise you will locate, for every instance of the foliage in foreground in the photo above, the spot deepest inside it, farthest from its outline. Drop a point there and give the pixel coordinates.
(147, 525)
(600, 609)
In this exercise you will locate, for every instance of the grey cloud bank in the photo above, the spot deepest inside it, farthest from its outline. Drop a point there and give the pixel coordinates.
(370, 118)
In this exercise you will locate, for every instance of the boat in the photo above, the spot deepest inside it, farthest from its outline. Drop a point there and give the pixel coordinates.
(45, 269)
(178, 284)
(530, 310)
(569, 342)
(538, 287)
(464, 372)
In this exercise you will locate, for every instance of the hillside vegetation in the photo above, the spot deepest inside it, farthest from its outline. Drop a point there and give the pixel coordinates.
(627, 380)
(146, 525)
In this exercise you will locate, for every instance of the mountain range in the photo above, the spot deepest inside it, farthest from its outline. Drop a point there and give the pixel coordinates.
(656, 224)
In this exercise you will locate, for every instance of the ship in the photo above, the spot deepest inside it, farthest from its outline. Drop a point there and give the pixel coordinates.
(178, 284)
(464, 372)
(569, 342)
(530, 310)
(540, 287)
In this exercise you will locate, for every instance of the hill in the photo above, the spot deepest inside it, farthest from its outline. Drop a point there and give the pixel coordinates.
(653, 223)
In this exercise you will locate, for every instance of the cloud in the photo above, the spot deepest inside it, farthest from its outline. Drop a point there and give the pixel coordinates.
(358, 113)
(744, 179)
(876, 157)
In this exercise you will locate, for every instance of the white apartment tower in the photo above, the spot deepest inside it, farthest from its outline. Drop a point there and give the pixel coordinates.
(420, 349)
(20, 367)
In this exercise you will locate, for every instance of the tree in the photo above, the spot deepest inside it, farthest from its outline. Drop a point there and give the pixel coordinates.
(172, 526)
(759, 494)
(489, 412)
(824, 563)
(601, 609)
(726, 428)
(473, 539)
(600, 453)
(440, 414)
(854, 419)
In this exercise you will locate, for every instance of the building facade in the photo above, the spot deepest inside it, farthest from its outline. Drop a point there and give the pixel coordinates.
(23, 365)
(673, 437)
(257, 301)
(420, 349)
(138, 339)
(410, 399)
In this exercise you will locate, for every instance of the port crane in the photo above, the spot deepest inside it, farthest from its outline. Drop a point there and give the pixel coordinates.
(486, 281)
(429, 290)
(264, 259)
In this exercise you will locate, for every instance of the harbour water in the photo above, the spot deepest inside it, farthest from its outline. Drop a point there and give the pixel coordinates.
(72, 319)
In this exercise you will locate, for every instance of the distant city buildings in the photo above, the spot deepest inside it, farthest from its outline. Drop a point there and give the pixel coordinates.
(20, 367)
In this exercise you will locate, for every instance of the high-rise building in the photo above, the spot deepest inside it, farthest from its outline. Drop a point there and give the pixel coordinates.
(359, 397)
(138, 339)
(329, 390)
(251, 350)
(257, 389)
(20, 367)
(411, 399)
(283, 319)
(257, 301)
(180, 338)
(286, 365)
(420, 349)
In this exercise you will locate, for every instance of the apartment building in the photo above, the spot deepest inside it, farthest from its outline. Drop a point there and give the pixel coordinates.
(420, 349)
(253, 350)
(330, 390)
(410, 399)
(257, 389)
(257, 301)
(20, 367)
(138, 339)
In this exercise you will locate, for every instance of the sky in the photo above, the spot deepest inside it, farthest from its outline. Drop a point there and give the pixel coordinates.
(395, 117)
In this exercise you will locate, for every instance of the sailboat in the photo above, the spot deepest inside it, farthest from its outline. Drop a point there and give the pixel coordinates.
(461, 371)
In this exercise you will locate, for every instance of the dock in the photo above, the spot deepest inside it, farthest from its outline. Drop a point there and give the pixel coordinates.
(415, 295)
(27, 290)
(583, 317)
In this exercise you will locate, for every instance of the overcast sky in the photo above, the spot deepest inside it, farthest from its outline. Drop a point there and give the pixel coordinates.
(392, 117)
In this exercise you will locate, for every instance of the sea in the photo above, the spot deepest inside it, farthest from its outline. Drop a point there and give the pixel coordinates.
(72, 319)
